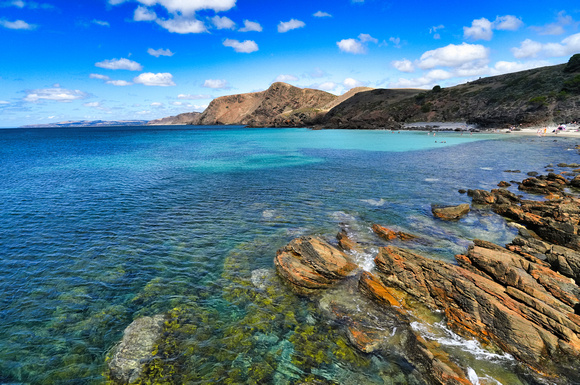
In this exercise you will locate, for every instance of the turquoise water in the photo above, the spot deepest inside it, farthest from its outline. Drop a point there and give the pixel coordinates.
(99, 226)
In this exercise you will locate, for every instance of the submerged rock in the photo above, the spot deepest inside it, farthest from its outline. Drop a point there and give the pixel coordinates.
(450, 213)
(388, 234)
(310, 263)
(134, 351)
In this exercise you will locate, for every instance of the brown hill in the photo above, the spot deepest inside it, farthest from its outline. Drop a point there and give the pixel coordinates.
(280, 105)
(185, 118)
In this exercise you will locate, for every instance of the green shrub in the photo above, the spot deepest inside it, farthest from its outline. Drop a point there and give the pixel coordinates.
(426, 107)
(573, 64)
(539, 101)
(572, 86)
(437, 88)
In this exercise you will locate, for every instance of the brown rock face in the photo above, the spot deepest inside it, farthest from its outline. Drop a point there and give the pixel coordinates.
(310, 263)
(273, 107)
(388, 234)
(450, 213)
(500, 298)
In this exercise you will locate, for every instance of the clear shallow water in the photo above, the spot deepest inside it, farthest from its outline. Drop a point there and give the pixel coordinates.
(101, 226)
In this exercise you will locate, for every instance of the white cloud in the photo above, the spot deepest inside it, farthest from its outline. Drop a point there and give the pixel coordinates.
(403, 65)
(246, 46)
(349, 83)
(454, 56)
(144, 14)
(286, 78)
(216, 84)
(99, 76)
(326, 86)
(223, 22)
(504, 67)
(4, 102)
(120, 64)
(322, 14)
(250, 26)
(92, 104)
(286, 26)
(54, 94)
(193, 97)
(119, 83)
(17, 24)
(159, 52)
(185, 7)
(481, 29)
(365, 38)
(156, 104)
(396, 41)
(101, 23)
(433, 30)
(507, 23)
(529, 48)
(182, 25)
(356, 46)
(556, 28)
(27, 4)
(351, 46)
(151, 79)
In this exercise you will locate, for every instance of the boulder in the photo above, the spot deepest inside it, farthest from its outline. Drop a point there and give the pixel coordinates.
(388, 234)
(450, 213)
(135, 349)
(310, 264)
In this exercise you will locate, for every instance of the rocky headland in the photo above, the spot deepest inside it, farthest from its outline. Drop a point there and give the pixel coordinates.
(536, 97)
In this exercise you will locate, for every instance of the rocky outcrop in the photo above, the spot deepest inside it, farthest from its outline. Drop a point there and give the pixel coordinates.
(280, 105)
(450, 213)
(135, 349)
(181, 119)
(388, 234)
(310, 264)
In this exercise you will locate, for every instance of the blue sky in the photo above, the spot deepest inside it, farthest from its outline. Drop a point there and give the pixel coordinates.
(146, 59)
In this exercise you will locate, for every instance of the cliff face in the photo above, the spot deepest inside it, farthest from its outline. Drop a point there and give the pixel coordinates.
(279, 105)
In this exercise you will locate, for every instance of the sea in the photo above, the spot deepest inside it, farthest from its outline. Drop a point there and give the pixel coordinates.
(101, 226)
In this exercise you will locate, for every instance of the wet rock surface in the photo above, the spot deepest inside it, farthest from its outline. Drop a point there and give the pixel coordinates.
(522, 299)
(450, 213)
(134, 351)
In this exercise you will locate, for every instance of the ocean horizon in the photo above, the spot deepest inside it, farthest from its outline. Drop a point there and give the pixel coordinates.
(101, 226)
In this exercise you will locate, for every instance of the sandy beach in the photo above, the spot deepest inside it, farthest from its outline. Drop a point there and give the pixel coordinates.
(572, 130)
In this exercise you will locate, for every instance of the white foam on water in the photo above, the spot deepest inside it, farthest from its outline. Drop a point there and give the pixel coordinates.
(375, 202)
(268, 214)
(486, 168)
(431, 179)
(365, 259)
(341, 216)
(440, 333)
(472, 376)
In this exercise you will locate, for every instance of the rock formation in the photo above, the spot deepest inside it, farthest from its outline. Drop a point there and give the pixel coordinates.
(185, 118)
(280, 105)
(522, 299)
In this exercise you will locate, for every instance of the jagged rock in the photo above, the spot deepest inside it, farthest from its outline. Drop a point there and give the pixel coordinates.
(388, 234)
(575, 182)
(498, 299)
(481, 197)
(450, 213)
(310, 263)
(134, 350)
(503, 184)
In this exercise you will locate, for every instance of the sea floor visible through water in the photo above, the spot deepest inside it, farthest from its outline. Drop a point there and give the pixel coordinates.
(100, 226)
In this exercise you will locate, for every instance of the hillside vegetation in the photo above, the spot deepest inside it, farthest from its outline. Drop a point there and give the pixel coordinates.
(534, 97)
